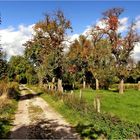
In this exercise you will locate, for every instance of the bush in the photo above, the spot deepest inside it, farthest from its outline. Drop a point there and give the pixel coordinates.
(3, 88)
(32, 79)
(10, 90)
(13, 91)
(103, 125)
(14, 85)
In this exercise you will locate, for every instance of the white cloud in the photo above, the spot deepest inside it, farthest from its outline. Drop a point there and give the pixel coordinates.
(123, 24)
(101, 23)
(136, 53)
(138, 22)
(87, 30)
(12, 39)
(69, 41)
(73, 37)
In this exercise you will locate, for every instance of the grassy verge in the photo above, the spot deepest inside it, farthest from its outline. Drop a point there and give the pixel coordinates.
(8, 105)
(7, 109)
(90, 124)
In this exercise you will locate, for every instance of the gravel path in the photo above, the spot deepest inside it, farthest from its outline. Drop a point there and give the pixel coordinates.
(35, 119)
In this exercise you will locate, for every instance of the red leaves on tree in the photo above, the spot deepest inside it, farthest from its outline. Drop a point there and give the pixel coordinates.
(113, 22)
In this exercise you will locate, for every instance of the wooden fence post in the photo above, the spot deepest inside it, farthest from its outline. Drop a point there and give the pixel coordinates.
(60, 88)
(138, 85)
(97, 104)
(84, 84)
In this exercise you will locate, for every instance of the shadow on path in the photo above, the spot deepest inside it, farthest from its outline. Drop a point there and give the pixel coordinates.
(46, 129)
(29, 96)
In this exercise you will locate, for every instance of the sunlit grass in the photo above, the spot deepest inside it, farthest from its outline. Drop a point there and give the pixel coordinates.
(126, 106)
(117, 119)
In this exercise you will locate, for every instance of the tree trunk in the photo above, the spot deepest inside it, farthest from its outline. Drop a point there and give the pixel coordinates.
(88, 85)
(53, 80)
(97, 105)
(73, 86)
(121, 86)
(138, 85)
(84, 84)
(97, 84)
(49, 87)
(60, 88)
(52, 85)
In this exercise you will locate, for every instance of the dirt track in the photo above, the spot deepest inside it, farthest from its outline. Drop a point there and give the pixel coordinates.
(36, 119)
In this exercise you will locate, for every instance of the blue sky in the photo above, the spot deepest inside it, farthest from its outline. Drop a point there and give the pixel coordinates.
(18, 18)
(81, 13)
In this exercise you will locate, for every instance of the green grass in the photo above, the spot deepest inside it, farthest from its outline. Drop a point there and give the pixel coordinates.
(60, 107)
(6, 117)
(63, 109)
(126, 106)
(101, 125)
(8, 106)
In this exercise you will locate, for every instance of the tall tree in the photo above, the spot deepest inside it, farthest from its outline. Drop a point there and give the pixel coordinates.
(77, 56)
(122, 46)
(49, 40)
(101, 63)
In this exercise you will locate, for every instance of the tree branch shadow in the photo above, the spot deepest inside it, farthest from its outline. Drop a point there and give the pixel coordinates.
(45, 129)
(29, 96)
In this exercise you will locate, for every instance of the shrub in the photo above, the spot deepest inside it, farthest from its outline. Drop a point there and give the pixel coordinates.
(32, 79)
(13, 91)
(3, 88)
